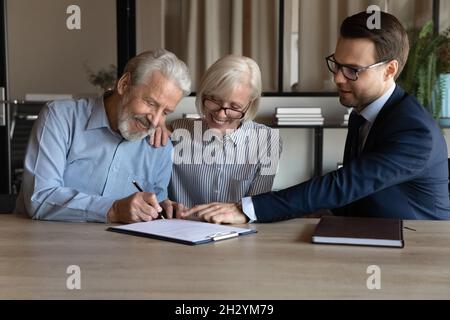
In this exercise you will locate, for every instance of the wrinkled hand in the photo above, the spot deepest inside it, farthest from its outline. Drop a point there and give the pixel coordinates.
(217, 212)
(160, 136)
(169, 206)
(140, 206)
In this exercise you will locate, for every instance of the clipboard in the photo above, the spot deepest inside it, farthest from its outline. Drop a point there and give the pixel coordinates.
(182, 231)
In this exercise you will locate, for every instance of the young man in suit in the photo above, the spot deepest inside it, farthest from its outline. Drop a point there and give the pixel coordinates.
(395, 159)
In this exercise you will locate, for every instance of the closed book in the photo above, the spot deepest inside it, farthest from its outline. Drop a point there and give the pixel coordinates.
(359, 231)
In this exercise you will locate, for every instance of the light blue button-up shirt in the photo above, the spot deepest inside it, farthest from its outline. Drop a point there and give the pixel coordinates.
(76, 166)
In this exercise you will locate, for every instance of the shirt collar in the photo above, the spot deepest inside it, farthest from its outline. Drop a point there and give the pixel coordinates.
(98, 118)
(237, 136)
(370, 112)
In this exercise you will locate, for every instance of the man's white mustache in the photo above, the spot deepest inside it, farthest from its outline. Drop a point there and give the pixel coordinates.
(144, 121)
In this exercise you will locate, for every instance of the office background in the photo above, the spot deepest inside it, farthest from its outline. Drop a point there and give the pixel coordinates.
(289, 39)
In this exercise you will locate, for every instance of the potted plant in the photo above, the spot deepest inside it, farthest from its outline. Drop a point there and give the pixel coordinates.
(104, 78)
(429, 58)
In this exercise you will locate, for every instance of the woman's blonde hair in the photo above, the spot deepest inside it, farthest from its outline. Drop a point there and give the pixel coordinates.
(224, 75)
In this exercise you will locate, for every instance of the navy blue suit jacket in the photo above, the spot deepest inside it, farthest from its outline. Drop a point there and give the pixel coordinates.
(402, 172)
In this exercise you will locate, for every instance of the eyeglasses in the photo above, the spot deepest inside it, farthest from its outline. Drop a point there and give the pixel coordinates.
(350, 73)
(233, 112)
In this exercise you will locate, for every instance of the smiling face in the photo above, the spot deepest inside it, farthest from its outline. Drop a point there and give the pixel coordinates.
(238, 99)
(371, 83)
(141, 107)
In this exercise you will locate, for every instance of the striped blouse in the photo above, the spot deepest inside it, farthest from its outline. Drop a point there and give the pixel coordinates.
(209, 167)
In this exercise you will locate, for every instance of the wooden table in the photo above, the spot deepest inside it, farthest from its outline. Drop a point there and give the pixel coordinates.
(278, 262)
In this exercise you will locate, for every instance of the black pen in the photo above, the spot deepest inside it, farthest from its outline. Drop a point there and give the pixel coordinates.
(141, 190)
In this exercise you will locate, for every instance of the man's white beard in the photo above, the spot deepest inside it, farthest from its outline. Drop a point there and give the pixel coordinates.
(124, 127)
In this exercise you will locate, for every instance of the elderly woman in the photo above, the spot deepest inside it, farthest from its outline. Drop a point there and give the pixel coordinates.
(224, 156)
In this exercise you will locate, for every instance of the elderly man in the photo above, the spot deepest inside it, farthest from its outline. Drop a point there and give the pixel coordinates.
(84, 155)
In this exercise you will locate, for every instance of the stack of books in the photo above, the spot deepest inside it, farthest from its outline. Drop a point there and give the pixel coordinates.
(293, 116)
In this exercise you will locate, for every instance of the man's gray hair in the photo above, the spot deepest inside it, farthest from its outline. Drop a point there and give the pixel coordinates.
(145, 63)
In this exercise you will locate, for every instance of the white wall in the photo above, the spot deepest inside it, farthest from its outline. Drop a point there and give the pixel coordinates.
(149, 25)
(444, 7)
(45, 57)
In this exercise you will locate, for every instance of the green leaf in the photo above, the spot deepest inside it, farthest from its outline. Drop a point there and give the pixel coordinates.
(429, 57)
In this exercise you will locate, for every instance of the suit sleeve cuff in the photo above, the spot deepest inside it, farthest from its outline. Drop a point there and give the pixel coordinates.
(249, 209)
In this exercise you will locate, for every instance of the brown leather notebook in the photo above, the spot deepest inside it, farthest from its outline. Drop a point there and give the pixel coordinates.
(359, 231)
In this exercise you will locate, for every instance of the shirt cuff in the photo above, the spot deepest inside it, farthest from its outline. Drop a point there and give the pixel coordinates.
(249, 210)
(98, 209)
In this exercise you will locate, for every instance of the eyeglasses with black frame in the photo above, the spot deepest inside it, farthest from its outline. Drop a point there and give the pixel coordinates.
(235, 111)
(349, 72)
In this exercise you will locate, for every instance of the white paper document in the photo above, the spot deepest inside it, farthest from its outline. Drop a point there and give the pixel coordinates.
(182, 231)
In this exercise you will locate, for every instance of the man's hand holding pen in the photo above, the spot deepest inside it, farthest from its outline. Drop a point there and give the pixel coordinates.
(140, 206)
